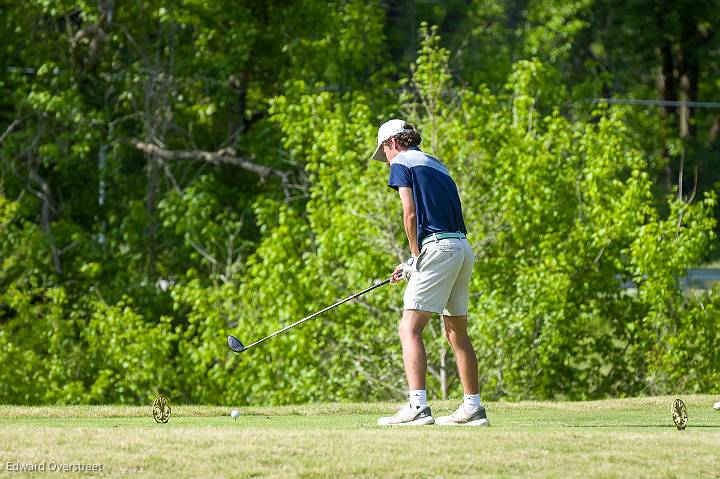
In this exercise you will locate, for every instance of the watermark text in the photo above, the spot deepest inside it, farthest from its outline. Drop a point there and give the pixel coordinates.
(51, 467)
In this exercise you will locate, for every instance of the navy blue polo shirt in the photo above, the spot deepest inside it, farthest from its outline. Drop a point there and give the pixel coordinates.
(437, 203)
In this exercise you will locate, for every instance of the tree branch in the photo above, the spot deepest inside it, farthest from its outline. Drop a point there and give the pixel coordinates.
(93, 35)
(9, 130)
(221, 157)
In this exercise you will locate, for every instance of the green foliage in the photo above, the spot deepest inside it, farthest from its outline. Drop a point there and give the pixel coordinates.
(310, 256)
(123, 270)
(688, 354)
(128, 353)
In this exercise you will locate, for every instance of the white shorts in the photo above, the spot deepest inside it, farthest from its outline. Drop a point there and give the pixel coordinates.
(440, 281)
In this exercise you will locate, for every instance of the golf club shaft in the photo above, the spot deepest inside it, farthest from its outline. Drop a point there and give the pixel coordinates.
(318, 313)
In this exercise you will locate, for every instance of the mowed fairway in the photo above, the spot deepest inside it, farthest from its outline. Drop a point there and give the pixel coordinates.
(613, 438)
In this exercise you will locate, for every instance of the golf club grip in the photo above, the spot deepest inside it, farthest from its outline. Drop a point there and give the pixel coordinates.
(319, 313)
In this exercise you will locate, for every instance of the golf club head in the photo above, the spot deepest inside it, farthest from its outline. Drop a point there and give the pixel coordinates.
(235, 344)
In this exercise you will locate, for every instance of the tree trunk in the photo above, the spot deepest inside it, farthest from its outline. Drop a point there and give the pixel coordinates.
(236, 114)
(690, 85)
(666, 79)
(46, 212)
(714, 129)
(151, 209)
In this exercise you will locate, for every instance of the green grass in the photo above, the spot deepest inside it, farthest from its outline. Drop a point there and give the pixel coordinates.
(612, 438)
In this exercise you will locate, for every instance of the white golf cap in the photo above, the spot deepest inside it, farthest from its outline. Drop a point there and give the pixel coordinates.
(388, 129)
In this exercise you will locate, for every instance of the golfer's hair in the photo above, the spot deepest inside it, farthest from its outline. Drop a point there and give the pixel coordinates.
(409, 139)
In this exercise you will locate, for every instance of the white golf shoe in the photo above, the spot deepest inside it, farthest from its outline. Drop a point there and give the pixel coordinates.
(461, 417)
(408, 416)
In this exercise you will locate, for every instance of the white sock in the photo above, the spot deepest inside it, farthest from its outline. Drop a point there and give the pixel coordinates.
(417, 397)
(471, 402)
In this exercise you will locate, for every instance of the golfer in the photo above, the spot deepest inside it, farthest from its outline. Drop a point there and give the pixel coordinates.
(438, 272)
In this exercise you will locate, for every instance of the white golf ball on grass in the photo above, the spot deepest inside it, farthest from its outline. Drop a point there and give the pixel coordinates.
(235, 414)
(716, 406)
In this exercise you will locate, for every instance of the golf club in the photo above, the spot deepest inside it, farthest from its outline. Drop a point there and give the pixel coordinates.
(237, 346)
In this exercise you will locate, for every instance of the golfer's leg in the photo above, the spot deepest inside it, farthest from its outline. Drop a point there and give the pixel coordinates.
(411, 328)
(456, 332)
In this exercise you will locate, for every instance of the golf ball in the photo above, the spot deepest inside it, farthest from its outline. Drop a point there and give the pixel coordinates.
(716, 406)
(235, 414)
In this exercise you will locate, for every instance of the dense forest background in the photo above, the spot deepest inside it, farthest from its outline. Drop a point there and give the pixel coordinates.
(171, 172)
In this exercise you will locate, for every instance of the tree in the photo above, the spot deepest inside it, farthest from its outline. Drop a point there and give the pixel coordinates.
(169, 172)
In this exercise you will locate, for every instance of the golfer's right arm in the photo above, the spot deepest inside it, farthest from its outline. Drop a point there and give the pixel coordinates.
(410, 223)
(409, 218)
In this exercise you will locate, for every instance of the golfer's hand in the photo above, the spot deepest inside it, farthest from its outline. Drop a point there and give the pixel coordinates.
(404, 270)
(399, 274)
